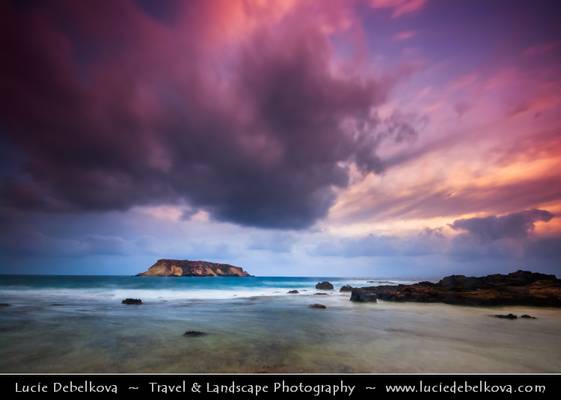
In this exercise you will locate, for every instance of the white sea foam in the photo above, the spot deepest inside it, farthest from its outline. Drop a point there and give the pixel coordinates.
(199, 290)
(106, 294)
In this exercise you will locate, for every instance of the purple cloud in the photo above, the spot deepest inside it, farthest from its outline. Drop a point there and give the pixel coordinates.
(107, 118)
(516, 225)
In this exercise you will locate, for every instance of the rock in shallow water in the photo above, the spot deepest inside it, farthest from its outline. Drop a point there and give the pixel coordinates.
(293, 292)
(363, 296)
(506, 316)
(194, 333)
(513, 316)
(346, 288)
(517, 288)
(324, 286)
(131, 301)
(318, 306)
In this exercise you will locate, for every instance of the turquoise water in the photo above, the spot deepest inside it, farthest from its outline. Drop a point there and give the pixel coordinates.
(20, 288)
(78, 324)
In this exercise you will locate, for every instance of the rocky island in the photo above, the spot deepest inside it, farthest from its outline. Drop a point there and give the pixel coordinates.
(168, 267)
(522, 288)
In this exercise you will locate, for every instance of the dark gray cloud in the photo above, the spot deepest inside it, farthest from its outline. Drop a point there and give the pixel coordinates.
(516, 225)
(507, 239)
(107, 118)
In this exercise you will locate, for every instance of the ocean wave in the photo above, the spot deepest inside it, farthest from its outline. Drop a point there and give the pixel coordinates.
(102, 289)
(147, 295)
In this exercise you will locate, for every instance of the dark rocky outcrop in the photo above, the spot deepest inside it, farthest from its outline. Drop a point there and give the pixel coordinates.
(506, 316)
(346, 288)
(318, 306)
(192, 268)
(517, 288)
(363, 295)
(324, 286)
(513, 316)
(293, 292)
(194, 333)
(131, 301)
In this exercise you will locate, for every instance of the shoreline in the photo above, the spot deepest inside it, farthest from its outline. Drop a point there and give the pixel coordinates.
(517, 288)
(275, 333)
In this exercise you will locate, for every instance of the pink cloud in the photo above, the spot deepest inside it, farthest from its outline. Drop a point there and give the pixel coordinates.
(399, 7)
(542, 49)
(404, 35)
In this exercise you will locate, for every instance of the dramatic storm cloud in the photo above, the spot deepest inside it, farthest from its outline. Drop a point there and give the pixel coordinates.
(109, 117)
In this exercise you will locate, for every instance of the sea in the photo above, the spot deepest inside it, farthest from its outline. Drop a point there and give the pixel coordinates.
(71, 324)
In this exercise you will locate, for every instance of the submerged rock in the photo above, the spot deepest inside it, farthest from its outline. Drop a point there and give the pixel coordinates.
(320, 294)
(318, 306)
(526, 316)
(170, 267)
(324, 286)
(506, 316)
(517, 288)
(293, 292)
(346, 288)
(194, 333)
(131, 301)
(5, 305)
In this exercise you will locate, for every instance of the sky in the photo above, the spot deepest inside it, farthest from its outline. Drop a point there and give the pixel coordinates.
(358, 138)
